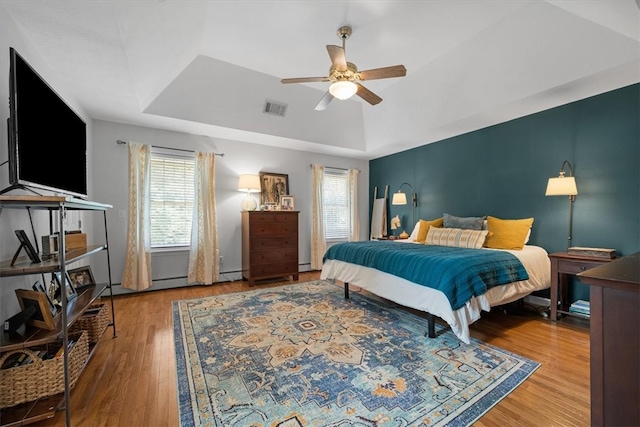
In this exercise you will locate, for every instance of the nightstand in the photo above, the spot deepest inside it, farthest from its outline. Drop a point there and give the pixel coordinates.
(564, 265)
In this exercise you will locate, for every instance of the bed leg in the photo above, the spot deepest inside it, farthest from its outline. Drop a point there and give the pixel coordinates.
(346, 290)
(431, 324)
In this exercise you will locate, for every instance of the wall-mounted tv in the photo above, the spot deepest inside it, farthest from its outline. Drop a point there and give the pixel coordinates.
(47, 139)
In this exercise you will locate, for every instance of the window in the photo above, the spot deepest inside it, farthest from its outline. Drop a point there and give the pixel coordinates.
(336, 209)
(171, 197)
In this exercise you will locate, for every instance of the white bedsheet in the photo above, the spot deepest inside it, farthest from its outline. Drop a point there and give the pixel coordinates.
(534, 258)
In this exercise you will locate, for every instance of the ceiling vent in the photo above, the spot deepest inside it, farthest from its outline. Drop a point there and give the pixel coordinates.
(275, 108)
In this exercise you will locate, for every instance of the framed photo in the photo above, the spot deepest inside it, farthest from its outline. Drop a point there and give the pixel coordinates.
(270, 206)
(70, 290)
(26, 244)
(81, 277)
(273, 186)
(287, 203)
(42, 318)
(39, 287)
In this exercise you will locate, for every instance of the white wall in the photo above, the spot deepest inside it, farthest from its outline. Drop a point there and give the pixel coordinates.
(110, 186)
(12, 219)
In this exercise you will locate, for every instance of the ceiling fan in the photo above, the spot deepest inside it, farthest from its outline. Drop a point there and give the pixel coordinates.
(345, 76)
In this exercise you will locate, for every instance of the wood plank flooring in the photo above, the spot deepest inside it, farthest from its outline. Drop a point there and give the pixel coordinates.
(131, 379)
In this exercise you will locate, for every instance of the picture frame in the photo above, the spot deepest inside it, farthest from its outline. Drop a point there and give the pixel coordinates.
(70, 290)
(272, 187)
(270, 206)
(43, 318)
(28, 247)
(81, 277)
(287, 203)
(39, 287)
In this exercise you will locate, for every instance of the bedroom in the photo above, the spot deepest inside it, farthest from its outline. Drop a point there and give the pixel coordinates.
(505, 165)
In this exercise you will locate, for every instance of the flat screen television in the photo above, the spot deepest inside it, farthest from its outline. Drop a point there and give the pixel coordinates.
(47, 139)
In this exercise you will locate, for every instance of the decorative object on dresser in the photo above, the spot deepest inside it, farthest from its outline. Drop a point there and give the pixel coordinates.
(564, 186)
(615, 342)
(250, 184)
(269, 245)
(272, 186)
(287, 203)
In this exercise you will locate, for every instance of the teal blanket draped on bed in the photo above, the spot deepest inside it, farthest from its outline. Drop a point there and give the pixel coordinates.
(459, 273)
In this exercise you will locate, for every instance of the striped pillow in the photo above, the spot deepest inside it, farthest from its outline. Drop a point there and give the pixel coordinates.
(457, 237)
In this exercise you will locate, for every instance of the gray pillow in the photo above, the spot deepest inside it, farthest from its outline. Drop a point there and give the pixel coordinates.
(468, 222)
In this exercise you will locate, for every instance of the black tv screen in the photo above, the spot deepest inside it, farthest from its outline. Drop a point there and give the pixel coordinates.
(47, 139)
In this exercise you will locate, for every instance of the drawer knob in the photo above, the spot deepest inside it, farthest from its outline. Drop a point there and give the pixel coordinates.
(582, 268)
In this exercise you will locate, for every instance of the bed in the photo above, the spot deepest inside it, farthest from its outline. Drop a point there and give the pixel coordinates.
(427, 297)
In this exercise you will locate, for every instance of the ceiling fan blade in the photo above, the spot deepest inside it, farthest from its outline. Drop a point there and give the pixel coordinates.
(336, 53)
(305, 80)
(324, 102)
(367, 95)
(384, 73)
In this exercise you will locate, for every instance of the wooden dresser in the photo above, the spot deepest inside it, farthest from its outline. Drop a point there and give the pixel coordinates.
(269, 245)
(615, 341)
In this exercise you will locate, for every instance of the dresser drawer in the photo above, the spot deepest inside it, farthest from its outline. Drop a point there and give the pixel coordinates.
(274, 255)
(259, 243)
(286, 217)
(274, 269)
(274, 229)
(574, 267)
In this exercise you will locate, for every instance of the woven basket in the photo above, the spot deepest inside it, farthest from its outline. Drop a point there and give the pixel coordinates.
(93, 325)
(41, 378)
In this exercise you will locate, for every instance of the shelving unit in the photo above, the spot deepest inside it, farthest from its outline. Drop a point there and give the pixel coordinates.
(45, 408)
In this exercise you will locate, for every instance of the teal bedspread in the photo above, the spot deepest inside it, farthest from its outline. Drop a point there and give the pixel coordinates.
(459, 273)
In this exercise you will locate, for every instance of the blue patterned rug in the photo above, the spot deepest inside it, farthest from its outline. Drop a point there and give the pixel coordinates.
(302, 355)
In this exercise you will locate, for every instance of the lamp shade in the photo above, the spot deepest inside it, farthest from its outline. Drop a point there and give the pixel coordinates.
(343, 89)
(399, 198)
(562, 186)
(250, 183)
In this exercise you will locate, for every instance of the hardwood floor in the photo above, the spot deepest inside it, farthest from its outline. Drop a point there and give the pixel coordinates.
(131, 379)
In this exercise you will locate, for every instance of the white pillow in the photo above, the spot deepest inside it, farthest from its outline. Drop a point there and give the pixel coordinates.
(416, 230)
(456, 237)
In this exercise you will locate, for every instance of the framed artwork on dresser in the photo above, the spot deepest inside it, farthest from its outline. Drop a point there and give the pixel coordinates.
(273, 186)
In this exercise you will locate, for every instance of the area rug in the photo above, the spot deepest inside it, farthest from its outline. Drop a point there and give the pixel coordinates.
(303, 355)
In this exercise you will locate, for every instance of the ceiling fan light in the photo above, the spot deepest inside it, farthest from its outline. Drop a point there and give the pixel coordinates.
(343, 89)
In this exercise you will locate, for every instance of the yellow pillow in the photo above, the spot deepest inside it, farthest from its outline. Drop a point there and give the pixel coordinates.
(507, 233)
(424, 228)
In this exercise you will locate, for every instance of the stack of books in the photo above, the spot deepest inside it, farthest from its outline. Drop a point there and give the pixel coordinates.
(581, 307)
(603, 253)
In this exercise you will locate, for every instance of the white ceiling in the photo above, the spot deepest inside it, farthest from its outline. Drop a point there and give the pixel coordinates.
(207, 67)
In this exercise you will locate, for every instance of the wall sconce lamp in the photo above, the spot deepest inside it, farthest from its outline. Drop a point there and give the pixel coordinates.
(564, 186)
(400, 198)
(250, 184)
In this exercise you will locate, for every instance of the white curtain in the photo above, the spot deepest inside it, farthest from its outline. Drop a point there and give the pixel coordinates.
(137, 267)
(354, 236)
(318, 242)
(204, 265)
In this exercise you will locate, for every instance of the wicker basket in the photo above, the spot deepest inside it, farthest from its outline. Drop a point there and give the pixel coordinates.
(93, 325)
(41, 378)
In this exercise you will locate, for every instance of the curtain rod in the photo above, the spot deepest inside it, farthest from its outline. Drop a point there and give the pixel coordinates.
(121, 142)
(331, 167)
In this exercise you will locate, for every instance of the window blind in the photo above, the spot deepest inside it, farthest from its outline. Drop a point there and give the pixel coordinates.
(335, 194)
(171, 198)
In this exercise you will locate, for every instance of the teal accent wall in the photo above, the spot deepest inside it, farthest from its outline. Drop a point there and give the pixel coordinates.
(503, 170)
